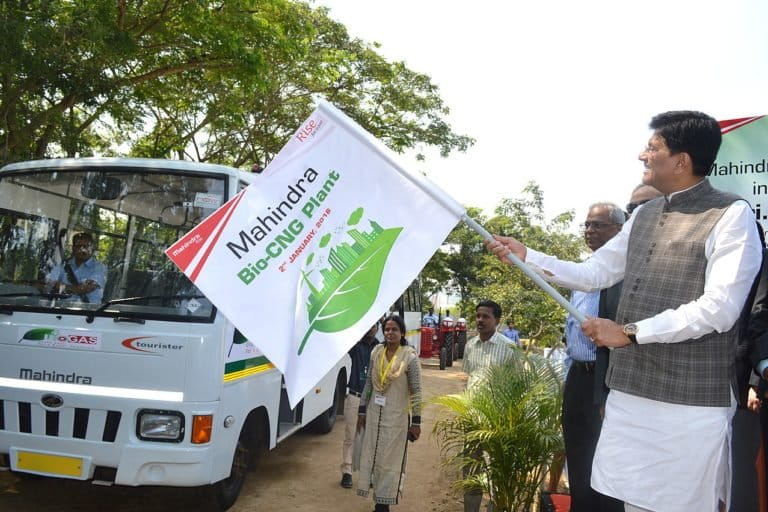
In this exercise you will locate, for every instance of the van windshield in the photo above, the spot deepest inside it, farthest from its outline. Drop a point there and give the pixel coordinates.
(78, 240)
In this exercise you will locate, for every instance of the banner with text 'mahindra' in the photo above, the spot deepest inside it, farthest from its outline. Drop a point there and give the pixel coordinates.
(309, 256)
(741, 166)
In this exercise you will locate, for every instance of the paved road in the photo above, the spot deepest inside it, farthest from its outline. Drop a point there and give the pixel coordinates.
(300, 475)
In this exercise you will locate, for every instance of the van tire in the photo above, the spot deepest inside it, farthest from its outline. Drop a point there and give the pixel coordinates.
(226, 491)
(324, 423)
(250, 445)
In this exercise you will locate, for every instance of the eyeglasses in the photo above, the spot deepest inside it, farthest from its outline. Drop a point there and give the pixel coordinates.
(596, 225)
(633, 206)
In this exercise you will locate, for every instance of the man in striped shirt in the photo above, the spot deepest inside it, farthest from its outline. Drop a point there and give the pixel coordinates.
(488, 348)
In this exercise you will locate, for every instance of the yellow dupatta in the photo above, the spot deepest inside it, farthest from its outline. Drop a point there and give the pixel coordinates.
(384, 372)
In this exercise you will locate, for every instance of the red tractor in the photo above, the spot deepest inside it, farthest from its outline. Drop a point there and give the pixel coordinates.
(446, 342)
(428, 339)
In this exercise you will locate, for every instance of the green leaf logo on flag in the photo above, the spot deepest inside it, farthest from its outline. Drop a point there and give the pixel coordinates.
(352, 282)
(38, 334)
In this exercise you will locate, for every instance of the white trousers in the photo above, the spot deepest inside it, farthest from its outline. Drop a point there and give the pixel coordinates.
(663, 457)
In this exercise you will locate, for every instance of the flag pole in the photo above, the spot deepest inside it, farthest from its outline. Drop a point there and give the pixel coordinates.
(578, 315)
(436, 193)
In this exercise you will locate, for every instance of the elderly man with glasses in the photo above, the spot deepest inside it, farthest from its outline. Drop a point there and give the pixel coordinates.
(584, 394)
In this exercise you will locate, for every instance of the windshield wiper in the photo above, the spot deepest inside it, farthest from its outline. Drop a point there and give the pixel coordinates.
(38, 294)
(5, 309)
(92, 314)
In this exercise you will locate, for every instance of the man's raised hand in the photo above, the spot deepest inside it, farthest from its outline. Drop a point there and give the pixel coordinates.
(503, 245)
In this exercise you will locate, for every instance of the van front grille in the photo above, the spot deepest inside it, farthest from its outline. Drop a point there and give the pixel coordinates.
(66, 423)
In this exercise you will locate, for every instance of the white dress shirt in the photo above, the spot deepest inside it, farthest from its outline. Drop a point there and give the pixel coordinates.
(733, 253)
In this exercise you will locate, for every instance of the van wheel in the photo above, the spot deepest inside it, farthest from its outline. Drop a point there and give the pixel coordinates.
(226, 491)
(324, 423)
(443, 357)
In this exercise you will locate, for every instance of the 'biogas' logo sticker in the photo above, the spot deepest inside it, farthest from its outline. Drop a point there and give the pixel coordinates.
(149, 345)
(60, 338)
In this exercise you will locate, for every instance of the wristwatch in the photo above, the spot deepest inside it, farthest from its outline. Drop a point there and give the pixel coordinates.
(630, 330)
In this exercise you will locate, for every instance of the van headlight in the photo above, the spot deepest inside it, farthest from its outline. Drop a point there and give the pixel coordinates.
(154, 425)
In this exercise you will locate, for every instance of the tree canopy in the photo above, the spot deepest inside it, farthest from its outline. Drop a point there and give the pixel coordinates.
(475, 274)
(220, 81)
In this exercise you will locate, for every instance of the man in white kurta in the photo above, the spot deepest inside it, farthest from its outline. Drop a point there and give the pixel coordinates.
(668, 454)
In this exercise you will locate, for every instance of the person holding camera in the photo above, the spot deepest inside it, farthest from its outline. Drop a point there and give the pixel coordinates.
(390, 411)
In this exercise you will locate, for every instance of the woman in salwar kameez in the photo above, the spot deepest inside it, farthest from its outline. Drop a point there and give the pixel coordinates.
(390, 411)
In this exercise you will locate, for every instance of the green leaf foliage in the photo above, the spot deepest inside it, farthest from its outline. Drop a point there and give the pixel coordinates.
(513, 416)
(214, 81)
(536, 314)
(466, 267)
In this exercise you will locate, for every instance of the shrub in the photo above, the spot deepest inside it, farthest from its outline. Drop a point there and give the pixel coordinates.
(513, 418)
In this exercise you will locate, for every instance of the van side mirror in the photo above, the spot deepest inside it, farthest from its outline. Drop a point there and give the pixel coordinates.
(100, 186)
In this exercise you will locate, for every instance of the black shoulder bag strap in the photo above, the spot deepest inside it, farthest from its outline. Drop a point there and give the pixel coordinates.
(73, 280)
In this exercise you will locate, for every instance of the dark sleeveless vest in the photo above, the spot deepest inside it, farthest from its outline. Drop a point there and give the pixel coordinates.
(665, 268)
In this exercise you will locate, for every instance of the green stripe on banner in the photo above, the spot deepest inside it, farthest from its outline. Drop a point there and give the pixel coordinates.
(245, 364)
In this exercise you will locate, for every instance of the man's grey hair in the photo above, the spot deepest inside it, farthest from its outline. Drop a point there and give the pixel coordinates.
(615, 212)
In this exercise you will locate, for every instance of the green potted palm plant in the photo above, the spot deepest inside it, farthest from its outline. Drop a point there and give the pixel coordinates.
(513, 419)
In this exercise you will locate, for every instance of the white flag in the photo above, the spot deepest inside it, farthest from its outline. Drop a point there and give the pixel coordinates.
(308, 257)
